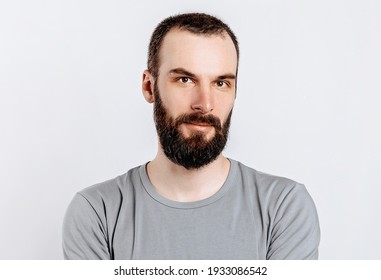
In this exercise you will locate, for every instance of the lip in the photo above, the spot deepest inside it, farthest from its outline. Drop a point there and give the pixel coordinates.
(199, 126)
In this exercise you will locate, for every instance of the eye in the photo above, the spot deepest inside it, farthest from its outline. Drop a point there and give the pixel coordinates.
(185, 80)
(222, 84)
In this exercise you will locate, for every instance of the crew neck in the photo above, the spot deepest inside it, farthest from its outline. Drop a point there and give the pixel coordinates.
(150, 189)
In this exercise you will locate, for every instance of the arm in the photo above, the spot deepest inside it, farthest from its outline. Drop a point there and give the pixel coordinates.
(295, 230)
(84, 234)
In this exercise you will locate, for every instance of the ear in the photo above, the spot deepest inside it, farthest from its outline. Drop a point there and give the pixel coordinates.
(147, 86)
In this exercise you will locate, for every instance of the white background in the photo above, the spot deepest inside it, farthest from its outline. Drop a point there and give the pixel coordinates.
(72, 113)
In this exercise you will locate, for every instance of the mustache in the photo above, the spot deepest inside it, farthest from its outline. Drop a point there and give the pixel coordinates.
(199, 118)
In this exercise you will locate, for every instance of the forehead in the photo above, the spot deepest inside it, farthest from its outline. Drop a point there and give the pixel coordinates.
(198, 53)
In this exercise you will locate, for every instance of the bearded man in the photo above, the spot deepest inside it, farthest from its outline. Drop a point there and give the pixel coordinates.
(190, 201)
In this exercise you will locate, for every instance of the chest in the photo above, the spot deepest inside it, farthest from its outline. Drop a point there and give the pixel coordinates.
(217, 231)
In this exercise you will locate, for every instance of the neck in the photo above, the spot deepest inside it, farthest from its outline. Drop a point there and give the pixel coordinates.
(177, 183)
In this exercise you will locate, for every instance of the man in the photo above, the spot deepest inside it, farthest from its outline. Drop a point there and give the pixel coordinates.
(191, 202)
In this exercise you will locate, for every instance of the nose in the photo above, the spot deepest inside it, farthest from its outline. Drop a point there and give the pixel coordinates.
(203, 101)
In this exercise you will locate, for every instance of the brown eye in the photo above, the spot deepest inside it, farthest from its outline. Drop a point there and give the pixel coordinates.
(221, 84)
(184, 80)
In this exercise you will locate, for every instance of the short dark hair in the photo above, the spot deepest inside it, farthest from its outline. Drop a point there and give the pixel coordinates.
(197, 23)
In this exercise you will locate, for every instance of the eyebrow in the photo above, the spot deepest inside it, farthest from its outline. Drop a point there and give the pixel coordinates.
(182, 71)
(227, 77)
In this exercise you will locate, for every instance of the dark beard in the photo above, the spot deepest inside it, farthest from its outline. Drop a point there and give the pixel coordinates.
(195, 151)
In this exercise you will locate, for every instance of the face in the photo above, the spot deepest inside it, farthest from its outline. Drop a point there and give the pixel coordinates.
(194, 96)
(196, 150)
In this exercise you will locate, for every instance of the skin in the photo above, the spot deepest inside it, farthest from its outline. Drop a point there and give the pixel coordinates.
(196, 74)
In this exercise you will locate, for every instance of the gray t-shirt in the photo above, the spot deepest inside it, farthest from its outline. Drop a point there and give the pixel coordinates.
(252, 216)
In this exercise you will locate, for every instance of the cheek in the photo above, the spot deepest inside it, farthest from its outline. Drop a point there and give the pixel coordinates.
(175, 102)
(176, 106)
(226, 106)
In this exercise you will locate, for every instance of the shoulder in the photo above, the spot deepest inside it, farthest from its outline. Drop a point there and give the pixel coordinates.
(112, 191)
(104, 200)
(92, 215)
(272, 193)
(288, 211)
(267, 184)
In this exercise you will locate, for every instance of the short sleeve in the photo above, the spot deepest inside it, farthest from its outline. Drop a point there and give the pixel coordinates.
(84, 235)
(295, 233)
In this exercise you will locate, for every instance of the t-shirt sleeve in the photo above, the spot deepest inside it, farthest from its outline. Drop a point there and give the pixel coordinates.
(295, 233)
(84, 235)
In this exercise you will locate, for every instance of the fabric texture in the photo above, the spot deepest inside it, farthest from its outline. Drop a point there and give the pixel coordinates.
(253, 216)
